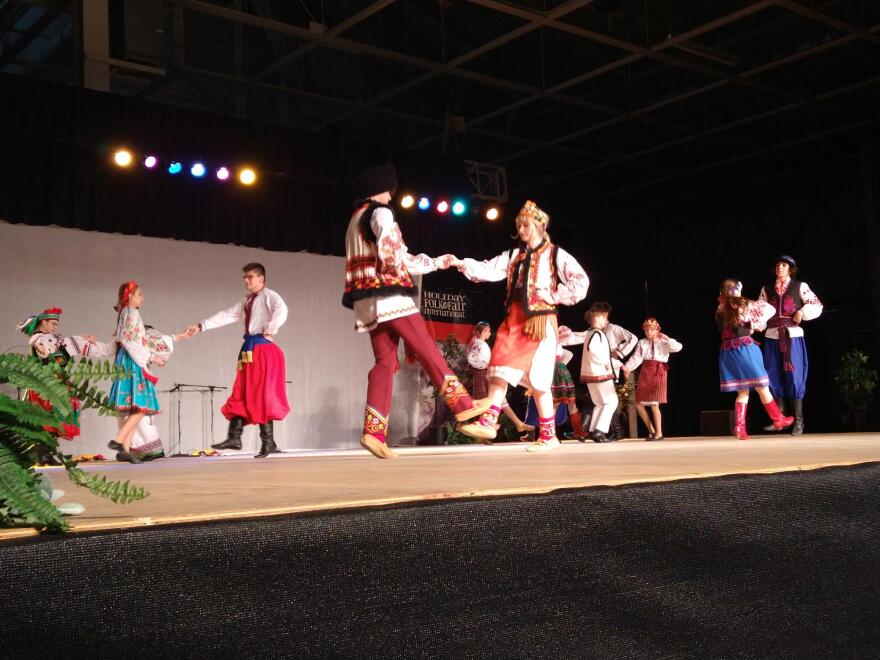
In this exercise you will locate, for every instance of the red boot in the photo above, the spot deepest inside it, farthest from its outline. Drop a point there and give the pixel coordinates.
(780, 421)
(577, 426)
(740, 426)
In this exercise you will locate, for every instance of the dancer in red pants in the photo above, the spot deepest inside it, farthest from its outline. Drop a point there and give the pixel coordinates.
(380, 290)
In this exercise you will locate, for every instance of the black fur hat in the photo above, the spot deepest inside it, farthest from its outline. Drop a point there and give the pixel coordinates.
(375, 180)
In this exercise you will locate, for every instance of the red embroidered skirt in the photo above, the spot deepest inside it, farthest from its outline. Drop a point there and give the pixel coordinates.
(479, 383)
(513, 348)
(259, 394)
(652, 382)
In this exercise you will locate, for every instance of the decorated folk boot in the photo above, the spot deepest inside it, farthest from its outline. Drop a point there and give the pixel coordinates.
(460, 402)
(373, 438)
(547, 439)
(484, 429)
(780, 421)
(740, 424)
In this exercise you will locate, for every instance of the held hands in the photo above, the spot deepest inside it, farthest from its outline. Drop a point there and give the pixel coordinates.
(445, 261)
(159, 362)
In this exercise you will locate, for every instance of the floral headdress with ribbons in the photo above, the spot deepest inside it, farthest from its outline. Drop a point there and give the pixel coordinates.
(30, 324)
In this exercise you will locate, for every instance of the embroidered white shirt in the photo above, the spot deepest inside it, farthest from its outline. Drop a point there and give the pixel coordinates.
(573, 280)
(268, 314)
(479, 355)
(658, 350)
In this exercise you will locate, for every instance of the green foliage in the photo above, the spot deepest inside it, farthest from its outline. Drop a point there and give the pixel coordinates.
(23, 426)
(855, 380)
(118, 492)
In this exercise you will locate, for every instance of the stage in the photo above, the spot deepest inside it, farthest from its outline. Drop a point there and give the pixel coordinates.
(188, 490)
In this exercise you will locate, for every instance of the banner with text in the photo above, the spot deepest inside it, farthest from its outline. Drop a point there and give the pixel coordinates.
(449, 311)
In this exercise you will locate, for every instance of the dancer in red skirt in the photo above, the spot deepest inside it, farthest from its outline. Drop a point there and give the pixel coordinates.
(259, 395)
(652, 353)
(479, 354)
(379, 289)
(539, 277)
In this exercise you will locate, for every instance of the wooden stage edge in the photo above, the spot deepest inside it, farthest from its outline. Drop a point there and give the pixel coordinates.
(197, 490)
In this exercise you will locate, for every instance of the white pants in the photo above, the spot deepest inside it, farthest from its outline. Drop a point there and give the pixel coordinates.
(604, 397)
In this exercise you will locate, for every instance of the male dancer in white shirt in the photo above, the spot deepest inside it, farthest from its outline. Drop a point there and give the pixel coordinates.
(259, 395)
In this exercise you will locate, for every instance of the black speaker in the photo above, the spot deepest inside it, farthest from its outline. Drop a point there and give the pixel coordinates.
(716, 422)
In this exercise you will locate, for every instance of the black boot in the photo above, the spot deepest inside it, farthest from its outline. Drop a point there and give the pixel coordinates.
(617, 430)
(781, 403)
(268, 445)
(233, 435)
(798, 427)
(599, 436)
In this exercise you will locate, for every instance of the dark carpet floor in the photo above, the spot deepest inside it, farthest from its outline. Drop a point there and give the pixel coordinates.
(776, 566)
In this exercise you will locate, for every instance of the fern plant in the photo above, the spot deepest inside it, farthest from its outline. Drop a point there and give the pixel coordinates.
(24, 424)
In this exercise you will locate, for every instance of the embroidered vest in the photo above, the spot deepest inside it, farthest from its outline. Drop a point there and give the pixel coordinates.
(365, 276)
(528, 263)
(786, 304)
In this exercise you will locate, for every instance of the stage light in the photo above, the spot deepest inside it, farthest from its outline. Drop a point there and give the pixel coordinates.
(247, 176)
(174, 167)
(442, 206)
(197, 170)
(458, 207)
(150, 162)
(122, 157)
(407, 201)
(222, 173)
(424, 203)
(492, 213)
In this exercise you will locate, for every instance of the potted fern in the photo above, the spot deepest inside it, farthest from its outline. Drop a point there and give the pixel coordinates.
(857, 382)
(25, 425)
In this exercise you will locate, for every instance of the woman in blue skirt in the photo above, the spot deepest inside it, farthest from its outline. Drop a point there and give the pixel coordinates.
(135, 395)
(740, 361)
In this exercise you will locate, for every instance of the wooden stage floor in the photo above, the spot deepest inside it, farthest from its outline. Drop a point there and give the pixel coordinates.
(221, 488)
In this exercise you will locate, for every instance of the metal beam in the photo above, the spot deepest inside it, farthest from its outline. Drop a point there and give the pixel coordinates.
(716, 130)
(637, 53)
(34, 31)
(702, 90)
(499, 41)
(819, 17)
(336, 30)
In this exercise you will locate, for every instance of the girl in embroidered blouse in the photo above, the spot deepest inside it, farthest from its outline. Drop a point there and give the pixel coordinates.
(740, 362)
(540, 276)
(478, 356)
(135, 395)
(652, 353)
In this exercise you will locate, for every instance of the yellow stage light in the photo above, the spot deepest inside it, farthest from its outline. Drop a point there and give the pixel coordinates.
(123, 157)
(407, 201)
(247, 176)
(492, 213)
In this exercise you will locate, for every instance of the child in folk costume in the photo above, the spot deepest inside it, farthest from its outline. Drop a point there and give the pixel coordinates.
(479, 354)
(135, 395)
(740, 362)
(146, 444)
(259, 393)
(539, 277)
(379, 289)
(562, 388)
(652, 353)
(48, 345)
(785, 351)
(597, 372)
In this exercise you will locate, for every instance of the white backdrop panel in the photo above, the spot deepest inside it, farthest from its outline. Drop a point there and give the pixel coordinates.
(184, 282)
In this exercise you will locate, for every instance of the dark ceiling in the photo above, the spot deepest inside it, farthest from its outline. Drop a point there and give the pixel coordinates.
(585, 102)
